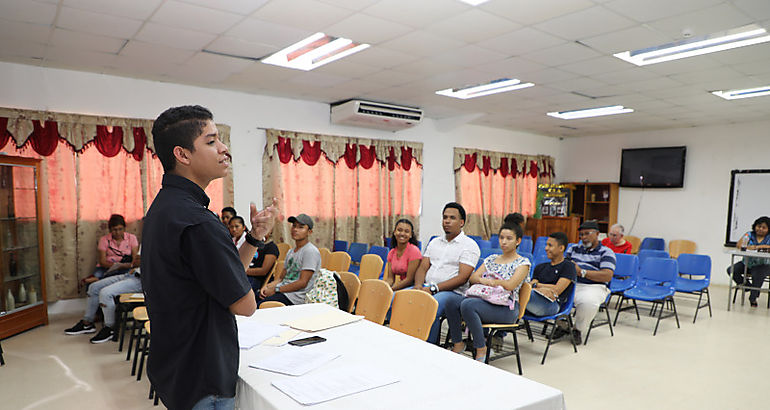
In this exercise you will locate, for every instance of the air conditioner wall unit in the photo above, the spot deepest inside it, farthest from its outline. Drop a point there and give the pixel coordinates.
(371, 114)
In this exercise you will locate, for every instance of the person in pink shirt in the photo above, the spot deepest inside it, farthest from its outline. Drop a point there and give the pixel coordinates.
(404, 256)
(117, 250)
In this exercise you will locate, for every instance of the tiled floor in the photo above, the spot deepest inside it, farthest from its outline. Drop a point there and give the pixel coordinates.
(717, 363)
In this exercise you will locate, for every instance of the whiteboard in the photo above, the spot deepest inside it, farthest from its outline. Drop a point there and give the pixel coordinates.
(749, 199)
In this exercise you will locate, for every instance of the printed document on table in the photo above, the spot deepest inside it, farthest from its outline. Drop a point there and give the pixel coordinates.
(252, 333)
(283, 338)
(333, 383)
(315, 323)
(294, 361)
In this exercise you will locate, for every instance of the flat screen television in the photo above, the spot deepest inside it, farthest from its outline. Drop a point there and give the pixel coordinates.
(661, 167)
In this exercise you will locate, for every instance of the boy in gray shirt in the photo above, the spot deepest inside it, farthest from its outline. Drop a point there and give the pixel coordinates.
(300, 269)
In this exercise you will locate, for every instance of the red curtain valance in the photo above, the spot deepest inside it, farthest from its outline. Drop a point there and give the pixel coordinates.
(508, 166)
(355, 154)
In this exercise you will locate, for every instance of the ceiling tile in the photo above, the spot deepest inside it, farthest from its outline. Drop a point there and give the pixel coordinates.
(530, 12)
(146, 52)
(82, 41)
(632, 73)
(27, 11)
(210, 68)
(80, 59)
(97, 23)
(319, 79)
(392, 77)
(683, 65)
(599, 65)
(134, 9)
(547, 76)
(347, 69)
(174, 37)
(716, 77)
(653, 84)
(468, 56)
(703, 22)
(754, 67)
(349, 4)
(138, 67)
(305, 14)
(576, 84)
(472, 25)
(422, 43)
(562, 54)
(521, 41)
(418, 14)
(425, 67)
(585, 23)
(364, 28)
(192, 17)
(649, 10)
(241, 7)
(633, 38)
(268, 33)
(758, 9)
(512, 67)
(32, 33)
(10, 46)
(239, 47)
(382, 57)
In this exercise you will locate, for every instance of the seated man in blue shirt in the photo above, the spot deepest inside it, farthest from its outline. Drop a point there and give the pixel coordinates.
(595, 264)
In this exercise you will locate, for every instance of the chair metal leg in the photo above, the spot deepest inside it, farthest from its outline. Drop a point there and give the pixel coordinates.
(548, 345)
(489, 347)
(131, 340)
(617, 312)
(122, 328)
(572, 332)
(676, 316)
(2, 361)
(137, 347)
(609, 322)
(708, 299)
(529, 331)
(660, 314)
(636, 309)
(145, 348)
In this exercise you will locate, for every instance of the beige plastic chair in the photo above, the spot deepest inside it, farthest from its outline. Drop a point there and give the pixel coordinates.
(413, 313)
(525, 291)
(283, 249)
(277, 269)
(325, 256)
(271, 304)
(374, 300)
(680, 246)
(371, 266)
(635, 243)
(339, 262)
(353, 286)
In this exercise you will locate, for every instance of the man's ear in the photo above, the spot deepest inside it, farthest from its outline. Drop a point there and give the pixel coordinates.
(182, 155)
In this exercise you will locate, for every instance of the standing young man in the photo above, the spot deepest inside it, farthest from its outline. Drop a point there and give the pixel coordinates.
(447, 264)
(193, 277)
(300, 269)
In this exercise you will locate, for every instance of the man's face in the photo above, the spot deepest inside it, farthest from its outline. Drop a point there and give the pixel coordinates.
(226, 218)
(210, 159)
(299, 231)
(552, 248)
(615, 236)
(589, 236)
(117, 232)
(452, 222)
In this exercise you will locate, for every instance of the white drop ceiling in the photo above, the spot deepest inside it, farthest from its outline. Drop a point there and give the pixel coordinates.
(418, 46)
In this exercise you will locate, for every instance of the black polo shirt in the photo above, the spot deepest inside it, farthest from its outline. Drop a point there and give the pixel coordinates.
(191, 274)
(550, 274)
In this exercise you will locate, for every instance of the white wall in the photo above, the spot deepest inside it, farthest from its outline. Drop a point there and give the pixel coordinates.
(88, 93)
(698, 211)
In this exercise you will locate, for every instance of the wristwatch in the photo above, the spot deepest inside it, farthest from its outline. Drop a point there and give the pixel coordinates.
(277, 288)
(583, 272)
(433, 289)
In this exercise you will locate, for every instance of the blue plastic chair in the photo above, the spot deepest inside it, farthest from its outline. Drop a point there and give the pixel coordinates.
(531, 262)
(476, 238)
(387, 242)
(495, 240)
(356, 251)
(541, 259)
(484, 244)
(490, 251)
(419, 245)
(564, 311)
(569, 246)
(429, 241)
(658, 244)
(340, 246)
(694, 265)
(539, 246)
(382, 252)
(525, 245)
(626, 271)
(650, 253)
(655, 284)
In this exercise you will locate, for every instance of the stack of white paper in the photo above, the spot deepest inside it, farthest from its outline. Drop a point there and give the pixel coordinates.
(326, 320)
(333, 383)
(252, 333)
(294, 361)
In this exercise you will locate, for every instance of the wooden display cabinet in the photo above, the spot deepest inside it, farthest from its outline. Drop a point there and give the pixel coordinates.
(595, 201)
(22, 271)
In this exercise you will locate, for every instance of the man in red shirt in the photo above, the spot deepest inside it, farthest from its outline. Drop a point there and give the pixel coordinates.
(616, 241)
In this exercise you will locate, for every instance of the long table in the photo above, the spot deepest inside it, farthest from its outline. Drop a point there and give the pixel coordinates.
(430, 377)
(750, 254)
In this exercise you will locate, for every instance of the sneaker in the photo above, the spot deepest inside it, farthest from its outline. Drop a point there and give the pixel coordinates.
(577, 337)
(104, 335)
(559, 333)
(80, 328)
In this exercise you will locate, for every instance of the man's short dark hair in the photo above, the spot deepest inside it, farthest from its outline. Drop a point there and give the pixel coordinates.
(516, 228)
(514, 219)
(457, 206)
(229, 209)
(178, 126)
(561, 238)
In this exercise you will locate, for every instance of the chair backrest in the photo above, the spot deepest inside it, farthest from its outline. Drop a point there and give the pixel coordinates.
(540, 259)
(140, 313)
(495, 240)
(490, 251)
(374, 300)
(271, 304)
(658, 244)
(356, 251)
(413, 313)
(569, 246)
(658, 270)
(691, 264)
(626, 265)
(527, 255)
(650, 253)
(429, 241)
(387, 241)
(352, 286)
(277, 269)
(380, 251)
(339, 261)
(525, 245)
(325, 256)
(475, 237)
(371, 267)
(635, 242)
(419, 245)
(283, 249)
(539, 244)
(680, 246)
(340, 246)
(483, 244)
(524, 293)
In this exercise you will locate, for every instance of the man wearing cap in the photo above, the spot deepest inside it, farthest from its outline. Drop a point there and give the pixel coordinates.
(300, 269)
(594, 264)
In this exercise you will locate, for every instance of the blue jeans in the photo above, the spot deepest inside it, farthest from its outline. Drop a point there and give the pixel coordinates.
(540, 305)
(103, 292)
(212, 402)
(444, 298)
(476, 312)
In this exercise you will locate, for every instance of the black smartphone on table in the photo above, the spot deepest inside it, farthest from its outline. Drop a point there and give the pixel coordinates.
(307, 341)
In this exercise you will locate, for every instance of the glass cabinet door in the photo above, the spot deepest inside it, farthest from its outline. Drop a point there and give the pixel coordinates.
(19, 242)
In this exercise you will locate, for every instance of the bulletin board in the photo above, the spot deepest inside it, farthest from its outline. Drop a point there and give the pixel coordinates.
(749, 199)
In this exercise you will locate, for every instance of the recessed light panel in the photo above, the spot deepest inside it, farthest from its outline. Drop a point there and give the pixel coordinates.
(745, 93)
(591, 112)
(493, 87)
(474, 2)
(314, 51)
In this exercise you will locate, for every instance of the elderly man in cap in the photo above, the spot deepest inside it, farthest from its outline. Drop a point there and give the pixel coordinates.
(595, 264)
(300, 269)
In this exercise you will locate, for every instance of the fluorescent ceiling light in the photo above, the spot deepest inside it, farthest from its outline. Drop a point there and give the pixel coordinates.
(474, 2)
(739, 37)
(745, 93)
(590, 112)
(493, 87)
(314, 51)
